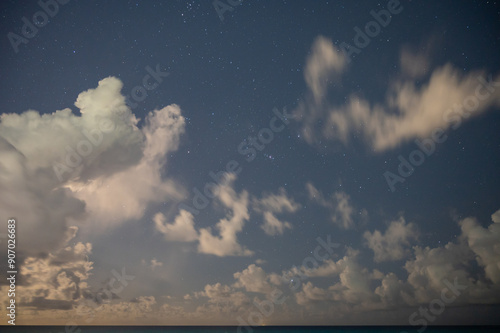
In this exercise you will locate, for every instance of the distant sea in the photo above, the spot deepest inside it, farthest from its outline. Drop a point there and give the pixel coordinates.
(235, 329)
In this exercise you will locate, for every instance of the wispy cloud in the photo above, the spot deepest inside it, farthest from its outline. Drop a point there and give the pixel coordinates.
(411, 111)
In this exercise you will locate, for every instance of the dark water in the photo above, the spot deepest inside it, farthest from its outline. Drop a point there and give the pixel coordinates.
(235, 329)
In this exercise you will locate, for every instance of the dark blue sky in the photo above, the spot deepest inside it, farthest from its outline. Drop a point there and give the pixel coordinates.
(350, 119)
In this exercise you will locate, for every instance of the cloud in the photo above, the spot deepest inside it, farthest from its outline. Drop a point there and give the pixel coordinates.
(224, 244)
(328, 268)
(410, 111)
(59, 169)
(310, 293)
(56, 281)
(155, 263)
(181, 230)
(152, 264)
(415, 61)
(430, 266)
(253, 279)
(352, 288)
(223, 295)
(271, 204)
(126, 194)
(227, 243)
(342, 212)
(485, 243)
(471, 262)
(272, 226)
(414, 64)
(323, 63)
(30, 194)
(276, 203)
(394, 292)
(393, 245)
(140, 309)
(495, 217)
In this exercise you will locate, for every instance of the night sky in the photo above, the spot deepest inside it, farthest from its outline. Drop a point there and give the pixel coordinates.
(254, 163)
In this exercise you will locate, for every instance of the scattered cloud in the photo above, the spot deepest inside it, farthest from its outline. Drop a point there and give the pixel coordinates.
(410, 111)
(271, 204)
(394, 244)
(495, 217)
(56, 281)
(153, 263)
(225, 296)
(276, 203)
(414, 64)
(227, 243)
(324, 63)
(485, 243)
(272, 226)
(357, 288)
(342, 212)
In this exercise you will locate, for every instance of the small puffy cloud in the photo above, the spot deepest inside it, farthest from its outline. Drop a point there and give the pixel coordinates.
(431, 266)
(271, 204)
(181, 230)
(155, 263)
(272, 226)
(253, 279)
(276, 203)
(485, 243)
(226, 244)
(394, 244)
(328, 268)
(342, 212)
(223, 294)
(140, 309)
(126, 194)
(495, 217)
(30, 194)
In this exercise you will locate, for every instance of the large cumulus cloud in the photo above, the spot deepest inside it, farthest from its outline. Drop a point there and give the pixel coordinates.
(62, 168)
